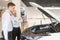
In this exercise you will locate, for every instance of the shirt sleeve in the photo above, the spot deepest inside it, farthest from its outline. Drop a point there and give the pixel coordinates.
(6, 25)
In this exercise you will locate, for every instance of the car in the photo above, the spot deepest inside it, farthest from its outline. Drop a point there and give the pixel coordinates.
(44, 31)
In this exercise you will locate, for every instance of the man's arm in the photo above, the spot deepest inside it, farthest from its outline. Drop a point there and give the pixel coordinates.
(6, 25)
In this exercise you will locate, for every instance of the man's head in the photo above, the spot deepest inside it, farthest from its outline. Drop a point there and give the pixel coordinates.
(11, 6)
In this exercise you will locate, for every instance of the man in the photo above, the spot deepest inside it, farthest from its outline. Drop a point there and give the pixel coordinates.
(6, 22)
(16, 27)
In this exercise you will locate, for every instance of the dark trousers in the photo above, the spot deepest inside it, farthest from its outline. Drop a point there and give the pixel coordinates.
(16, 33)
(3, 35)
(9, 35)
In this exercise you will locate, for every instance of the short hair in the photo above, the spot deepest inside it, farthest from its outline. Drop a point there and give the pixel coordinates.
(10, 4)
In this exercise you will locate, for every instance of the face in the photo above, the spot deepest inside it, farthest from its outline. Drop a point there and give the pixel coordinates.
(11, 8)
(14, 13)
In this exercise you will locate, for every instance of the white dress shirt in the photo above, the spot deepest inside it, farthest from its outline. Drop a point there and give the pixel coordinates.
(16, 22)
(6, 23)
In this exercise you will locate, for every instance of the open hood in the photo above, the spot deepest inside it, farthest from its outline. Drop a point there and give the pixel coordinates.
(36, 32)
(45, 11)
